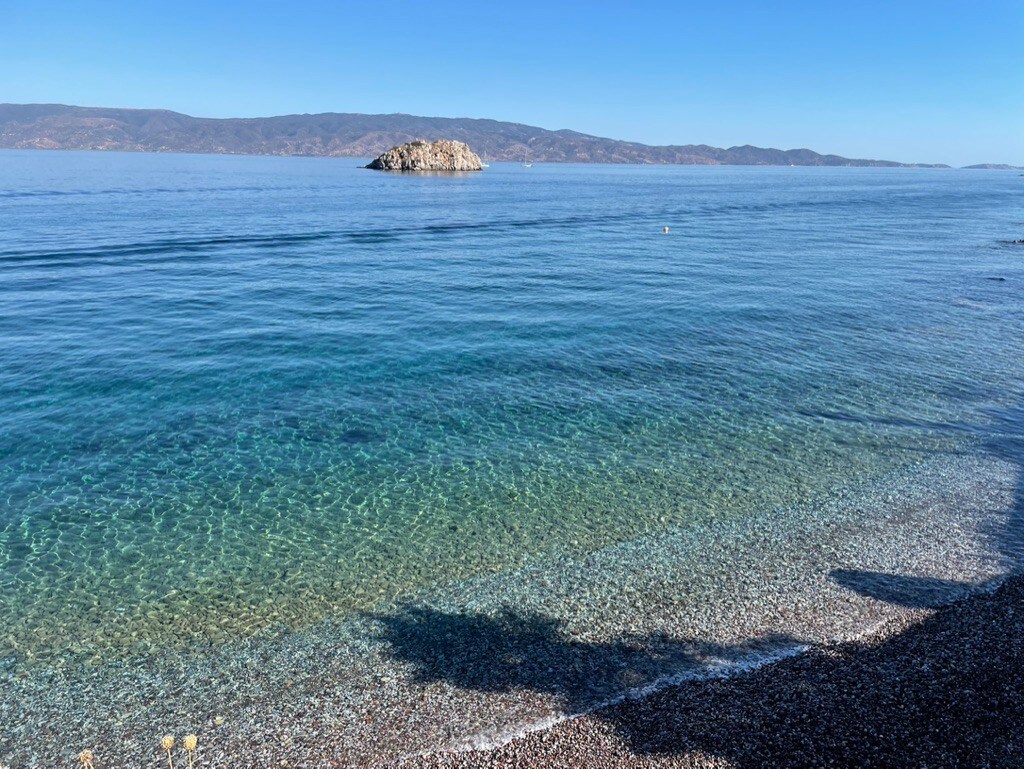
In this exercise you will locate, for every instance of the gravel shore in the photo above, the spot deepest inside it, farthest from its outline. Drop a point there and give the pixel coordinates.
(930, 689)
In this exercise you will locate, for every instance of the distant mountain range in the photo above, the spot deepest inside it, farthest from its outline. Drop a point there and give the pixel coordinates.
(331, 134)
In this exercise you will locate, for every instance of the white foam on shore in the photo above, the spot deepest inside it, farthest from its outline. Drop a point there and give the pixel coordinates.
(721, 669)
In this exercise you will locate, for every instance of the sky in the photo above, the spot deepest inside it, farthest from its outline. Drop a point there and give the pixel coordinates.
(911, 81)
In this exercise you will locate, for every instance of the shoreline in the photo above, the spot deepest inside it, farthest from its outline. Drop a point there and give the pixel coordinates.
(928, 687)
(460, 668)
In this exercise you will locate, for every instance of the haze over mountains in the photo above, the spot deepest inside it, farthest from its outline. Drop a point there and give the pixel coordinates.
(57, 126)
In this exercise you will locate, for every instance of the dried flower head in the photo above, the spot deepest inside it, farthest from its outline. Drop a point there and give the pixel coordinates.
(167, 743)
(190, 742)
(86, 758)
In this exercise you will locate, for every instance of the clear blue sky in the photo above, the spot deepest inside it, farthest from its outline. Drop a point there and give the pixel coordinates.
(913, 81)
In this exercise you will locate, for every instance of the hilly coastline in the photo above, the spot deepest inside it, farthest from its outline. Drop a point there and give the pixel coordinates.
(62, 127)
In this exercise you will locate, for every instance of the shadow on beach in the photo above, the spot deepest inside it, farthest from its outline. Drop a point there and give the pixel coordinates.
(1007, 538)
(947, 690)
(529, 652)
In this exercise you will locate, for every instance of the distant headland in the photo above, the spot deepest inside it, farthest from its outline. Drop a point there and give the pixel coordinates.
(331, 134)
(996, 167)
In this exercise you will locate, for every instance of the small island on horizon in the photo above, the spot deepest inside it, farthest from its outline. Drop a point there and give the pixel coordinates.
(332, 134)
(420, 155)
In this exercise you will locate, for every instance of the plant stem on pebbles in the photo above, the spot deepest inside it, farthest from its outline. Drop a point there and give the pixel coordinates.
(167, 743)
(190, 745)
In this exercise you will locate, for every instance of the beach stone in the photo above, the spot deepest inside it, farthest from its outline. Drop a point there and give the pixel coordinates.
(421, 155)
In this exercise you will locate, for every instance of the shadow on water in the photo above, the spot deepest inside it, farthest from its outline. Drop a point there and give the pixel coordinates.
(1007, 537)
(904, 590)
(513, 651)
(863, 703)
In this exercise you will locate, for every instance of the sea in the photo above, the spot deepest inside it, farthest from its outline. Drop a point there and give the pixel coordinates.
(394, 463)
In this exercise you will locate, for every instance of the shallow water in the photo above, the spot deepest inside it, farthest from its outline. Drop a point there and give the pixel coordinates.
(240, 397)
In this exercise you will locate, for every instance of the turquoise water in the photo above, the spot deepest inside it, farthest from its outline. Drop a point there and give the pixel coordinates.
(242, 395)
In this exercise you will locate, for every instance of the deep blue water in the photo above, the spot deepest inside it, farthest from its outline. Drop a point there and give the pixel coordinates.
(263, 391)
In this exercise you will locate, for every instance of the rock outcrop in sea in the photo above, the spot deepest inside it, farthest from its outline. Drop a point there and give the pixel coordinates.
(421, 155)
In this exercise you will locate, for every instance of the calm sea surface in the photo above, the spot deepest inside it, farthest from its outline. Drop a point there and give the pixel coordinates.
(246, 394)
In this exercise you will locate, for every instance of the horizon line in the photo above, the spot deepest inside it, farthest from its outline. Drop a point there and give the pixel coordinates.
(971, 166)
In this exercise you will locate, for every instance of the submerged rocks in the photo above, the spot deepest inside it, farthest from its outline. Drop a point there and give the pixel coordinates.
(421, 155)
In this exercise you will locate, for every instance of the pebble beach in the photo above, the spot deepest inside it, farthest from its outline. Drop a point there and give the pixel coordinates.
(929, 689)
